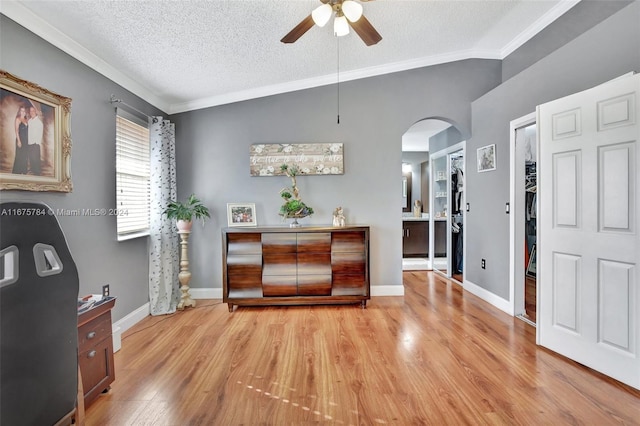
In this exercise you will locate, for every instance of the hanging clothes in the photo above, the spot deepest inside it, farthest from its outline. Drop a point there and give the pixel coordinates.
(459, 189)
(454, 191)
(457, 264)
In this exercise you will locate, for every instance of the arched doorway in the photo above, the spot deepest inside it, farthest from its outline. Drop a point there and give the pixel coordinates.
(420, 237)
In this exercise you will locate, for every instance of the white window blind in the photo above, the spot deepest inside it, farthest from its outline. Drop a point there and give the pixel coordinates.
(132, 175)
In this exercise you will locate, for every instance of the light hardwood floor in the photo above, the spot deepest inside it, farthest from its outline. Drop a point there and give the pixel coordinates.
(437, 356)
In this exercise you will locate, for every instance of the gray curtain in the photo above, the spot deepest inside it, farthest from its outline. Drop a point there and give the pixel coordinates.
(164, 290)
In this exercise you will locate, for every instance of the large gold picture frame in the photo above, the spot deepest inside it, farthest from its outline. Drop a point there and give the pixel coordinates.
(35, 137)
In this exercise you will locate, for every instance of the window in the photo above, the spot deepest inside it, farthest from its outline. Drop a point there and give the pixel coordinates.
(132, 176)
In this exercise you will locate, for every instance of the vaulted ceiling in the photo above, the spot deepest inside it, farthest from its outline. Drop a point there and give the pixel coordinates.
(182, 55)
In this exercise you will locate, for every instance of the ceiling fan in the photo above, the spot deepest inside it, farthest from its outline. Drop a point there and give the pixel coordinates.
(348, 13)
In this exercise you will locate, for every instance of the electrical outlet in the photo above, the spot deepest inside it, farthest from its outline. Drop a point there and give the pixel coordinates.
(105, 290)
(484, 264)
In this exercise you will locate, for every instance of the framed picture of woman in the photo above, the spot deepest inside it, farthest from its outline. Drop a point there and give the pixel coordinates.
(35, 137)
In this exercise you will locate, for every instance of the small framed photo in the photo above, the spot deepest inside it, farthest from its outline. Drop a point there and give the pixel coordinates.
(241, 214)
(487, 158)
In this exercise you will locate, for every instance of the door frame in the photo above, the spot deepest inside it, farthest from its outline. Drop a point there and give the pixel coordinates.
(460, 146)
(516, 264)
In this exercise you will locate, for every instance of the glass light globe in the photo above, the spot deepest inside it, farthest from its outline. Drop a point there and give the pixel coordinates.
(321, 14)
(340, 26)
(352, 10)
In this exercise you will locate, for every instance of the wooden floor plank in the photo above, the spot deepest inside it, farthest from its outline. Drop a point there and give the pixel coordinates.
(436, 356)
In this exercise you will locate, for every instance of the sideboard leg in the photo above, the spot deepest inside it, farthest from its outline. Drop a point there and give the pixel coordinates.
(363, 303)
(230, 307)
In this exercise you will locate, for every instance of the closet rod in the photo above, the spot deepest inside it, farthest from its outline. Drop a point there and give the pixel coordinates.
(115, 100)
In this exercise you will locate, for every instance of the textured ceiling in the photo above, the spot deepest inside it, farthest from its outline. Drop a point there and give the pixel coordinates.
(182, 55)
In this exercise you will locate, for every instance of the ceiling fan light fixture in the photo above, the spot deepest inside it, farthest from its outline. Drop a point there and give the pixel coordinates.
(340, 26)
(322, 14)
(352, 10)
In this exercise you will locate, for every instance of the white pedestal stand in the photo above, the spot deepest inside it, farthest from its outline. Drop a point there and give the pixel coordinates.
(185, 275)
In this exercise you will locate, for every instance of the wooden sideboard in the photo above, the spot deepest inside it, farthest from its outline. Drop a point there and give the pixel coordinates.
(95, 350)
(295, 266)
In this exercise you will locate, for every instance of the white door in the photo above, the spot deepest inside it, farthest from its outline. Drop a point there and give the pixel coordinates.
(589, 251)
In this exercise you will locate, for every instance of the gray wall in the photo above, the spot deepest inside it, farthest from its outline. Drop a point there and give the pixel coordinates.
(446, 138)
(92, 240)
(609, 50)
(213, 154)
(574, 22)
(213, 147)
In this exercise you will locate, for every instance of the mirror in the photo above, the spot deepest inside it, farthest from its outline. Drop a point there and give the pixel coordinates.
(406, 191)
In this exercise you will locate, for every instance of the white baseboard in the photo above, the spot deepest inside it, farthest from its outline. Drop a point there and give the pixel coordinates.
(126, 323)
(425, 267)
(416, 264)
(387, 290)
(489, 297)
(206, 293)
(116, 336)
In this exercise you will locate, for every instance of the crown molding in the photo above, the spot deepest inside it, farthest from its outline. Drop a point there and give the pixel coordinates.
(540, 24)
(325, 80)
(23, 16)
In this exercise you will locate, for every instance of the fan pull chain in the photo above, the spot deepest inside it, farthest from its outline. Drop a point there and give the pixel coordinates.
(338, 77)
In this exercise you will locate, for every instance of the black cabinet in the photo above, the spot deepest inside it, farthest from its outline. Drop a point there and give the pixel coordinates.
(415, 238)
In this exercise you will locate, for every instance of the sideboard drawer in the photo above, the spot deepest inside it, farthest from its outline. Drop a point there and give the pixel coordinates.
(93, 332)
(96, 365)
(279, 285)
(319, 242)
(314, 285)
(244, 244)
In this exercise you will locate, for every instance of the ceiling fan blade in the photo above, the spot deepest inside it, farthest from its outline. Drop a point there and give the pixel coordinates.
(365, 30)
(299, 30)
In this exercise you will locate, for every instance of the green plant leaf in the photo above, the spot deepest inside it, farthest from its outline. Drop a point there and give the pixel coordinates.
(186, 211)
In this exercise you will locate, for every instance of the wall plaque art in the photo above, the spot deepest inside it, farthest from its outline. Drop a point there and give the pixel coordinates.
(310, 158)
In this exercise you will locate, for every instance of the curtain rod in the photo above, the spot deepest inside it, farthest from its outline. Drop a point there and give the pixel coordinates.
(115, 100)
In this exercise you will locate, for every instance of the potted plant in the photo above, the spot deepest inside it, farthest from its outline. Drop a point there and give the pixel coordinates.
(183, 213)
(293, 206)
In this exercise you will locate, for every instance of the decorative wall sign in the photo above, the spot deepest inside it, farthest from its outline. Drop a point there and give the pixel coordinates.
(311, 158)
(35, 137)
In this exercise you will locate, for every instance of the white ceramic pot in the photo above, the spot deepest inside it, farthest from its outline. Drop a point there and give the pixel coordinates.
(184, 225)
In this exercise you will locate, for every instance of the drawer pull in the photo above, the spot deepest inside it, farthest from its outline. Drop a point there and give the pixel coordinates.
(91, 335)
(91, 354)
